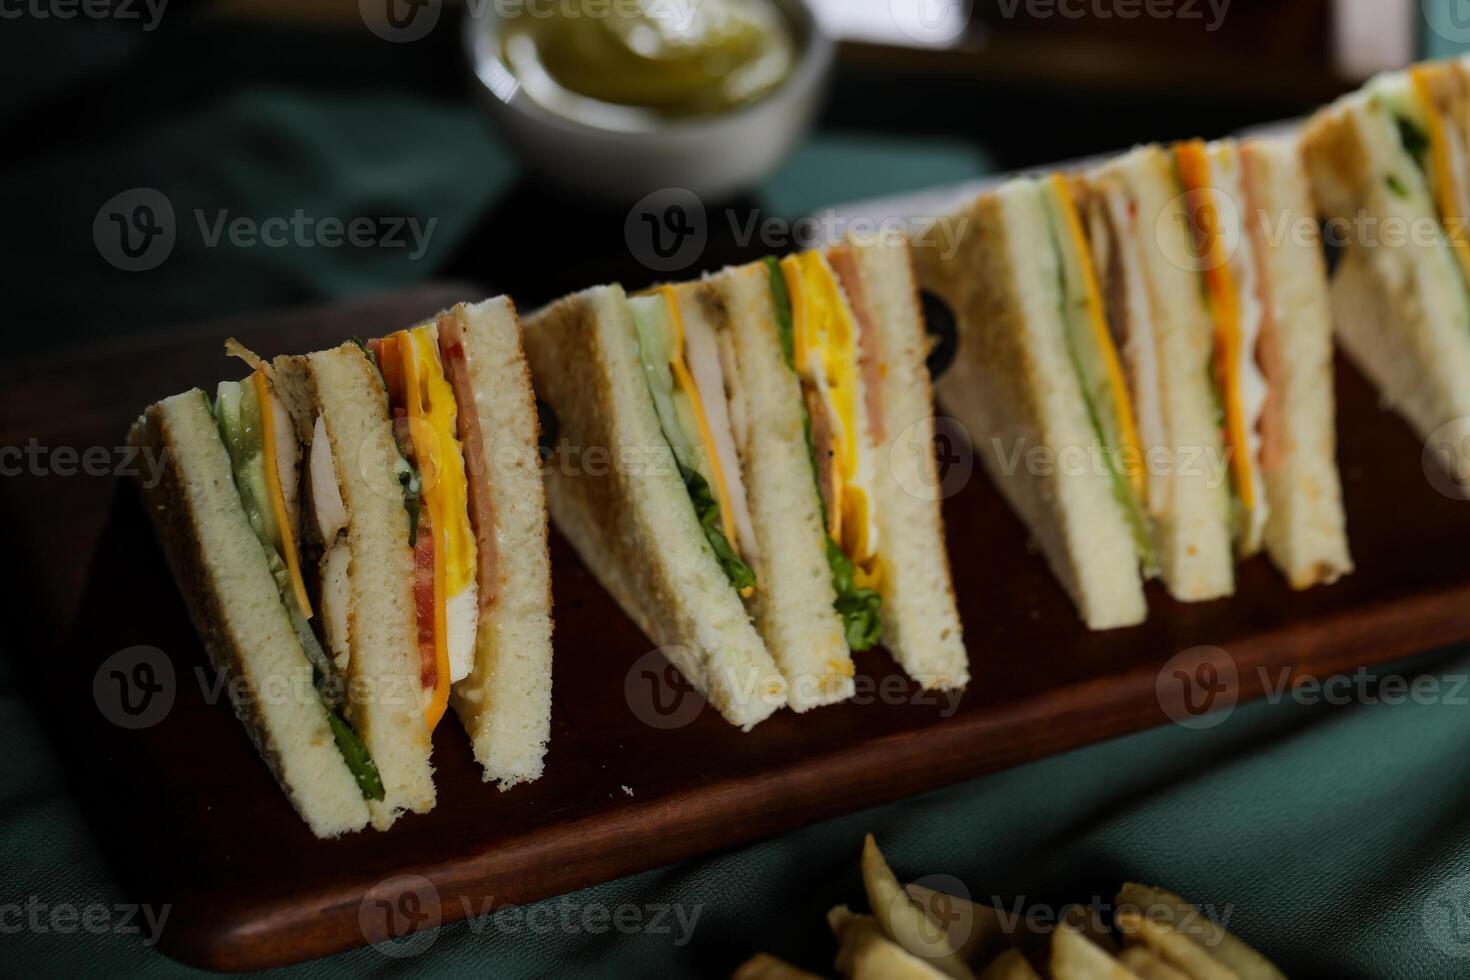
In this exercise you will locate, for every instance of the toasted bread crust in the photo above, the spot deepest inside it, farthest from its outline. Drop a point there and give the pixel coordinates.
(586, 509)
(521, 610)
(1399, 298)
(180, 529)
(1305, 532)
(997, 389)
(1191, 524)
(990, 386)
(794, 596)
(1337, 159)
(615, 492)
(342, 386)
(921, 617)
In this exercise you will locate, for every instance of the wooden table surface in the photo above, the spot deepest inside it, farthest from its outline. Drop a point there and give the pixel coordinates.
(636, 777)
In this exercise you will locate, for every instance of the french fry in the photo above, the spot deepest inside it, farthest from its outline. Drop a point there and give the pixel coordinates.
(1010, 965)
(1147, 965)
(864, 953)
(1084, 920)
(1155, 903)
(975, 931)
(919, 933)
(1075, 957)
(763, 966)
(1171, 946)
(904, 922)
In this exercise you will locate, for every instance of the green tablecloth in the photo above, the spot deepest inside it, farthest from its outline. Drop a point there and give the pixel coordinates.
(1334, 837)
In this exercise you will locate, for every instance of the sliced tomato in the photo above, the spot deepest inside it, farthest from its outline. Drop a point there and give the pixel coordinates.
(423, 590)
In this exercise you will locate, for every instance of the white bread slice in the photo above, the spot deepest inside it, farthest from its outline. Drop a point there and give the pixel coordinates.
(921, 624)
(615, 492)
(1398, 299)
(505, 702)
(794, 595)
(386, 703)
(1014, 388)
(221, 568)
(1306, 533)
(1189, 493)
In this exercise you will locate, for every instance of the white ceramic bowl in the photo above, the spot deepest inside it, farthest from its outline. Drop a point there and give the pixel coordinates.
(714, 157)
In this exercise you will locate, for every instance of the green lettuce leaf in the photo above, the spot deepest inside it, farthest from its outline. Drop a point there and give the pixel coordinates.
(785, 324)
(357, 757)
(861, 609)
(707, 509)
(238, 414)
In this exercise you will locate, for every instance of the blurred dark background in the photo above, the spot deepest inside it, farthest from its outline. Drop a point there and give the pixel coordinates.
(260, 108)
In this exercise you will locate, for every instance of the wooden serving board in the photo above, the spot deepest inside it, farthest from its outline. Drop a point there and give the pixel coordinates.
(634, 778)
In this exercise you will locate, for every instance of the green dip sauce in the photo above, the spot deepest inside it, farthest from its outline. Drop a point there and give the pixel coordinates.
(599, 60)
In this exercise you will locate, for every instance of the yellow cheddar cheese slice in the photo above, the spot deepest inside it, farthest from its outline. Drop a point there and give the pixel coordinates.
(1442, 180)
(430, 457)
(273, 485)
(1194, 167)
(1124, 418)
(448, 490)
(825, 348)
(684, 381)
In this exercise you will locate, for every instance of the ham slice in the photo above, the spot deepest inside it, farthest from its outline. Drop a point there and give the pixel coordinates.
(827, 474)
(423, 601)
(1268, 346)
(477, 469)
(869, 341)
